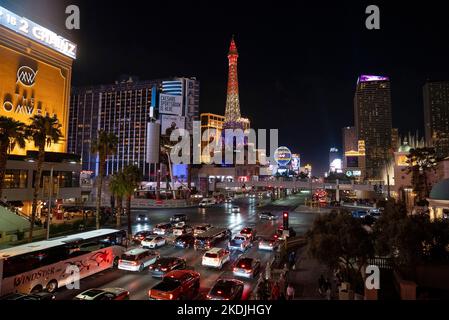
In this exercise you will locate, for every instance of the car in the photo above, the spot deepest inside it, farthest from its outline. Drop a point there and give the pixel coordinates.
(177, 285)
(235, 209)
(269, 244)
(164, 265)
(267, 216)
(137, 259)
(104, 294)
(208, 202)
(141, 235)
(185, 241)
(239, 243)
(216, 258)
(201, 229)
(38, 296)
(249, 233)
(359, 214)
(247, 267)
(178, 218)
(375, 213)
(226, 289)
(162, 229)
(228, 200)
(142, 218)
(153, 242)
(178, 231)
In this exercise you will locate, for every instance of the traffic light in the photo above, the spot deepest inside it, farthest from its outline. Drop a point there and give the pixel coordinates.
(285, 220)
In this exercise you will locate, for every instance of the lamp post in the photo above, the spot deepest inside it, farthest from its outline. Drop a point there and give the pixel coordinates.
(49, 203)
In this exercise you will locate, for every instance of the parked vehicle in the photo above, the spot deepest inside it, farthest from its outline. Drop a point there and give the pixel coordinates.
(216, 258)
(177, 285)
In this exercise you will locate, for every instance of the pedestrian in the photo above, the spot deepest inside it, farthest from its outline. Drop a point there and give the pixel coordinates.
(275, 292)
(321, 284)
(281, 284)
(290, 292)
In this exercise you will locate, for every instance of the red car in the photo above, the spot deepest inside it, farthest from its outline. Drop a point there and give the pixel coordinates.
(177, 285)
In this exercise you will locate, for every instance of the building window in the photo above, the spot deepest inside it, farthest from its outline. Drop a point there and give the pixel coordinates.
(15, 179)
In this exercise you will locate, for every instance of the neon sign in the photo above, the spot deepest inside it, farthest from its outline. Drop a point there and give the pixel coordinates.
(37, 33)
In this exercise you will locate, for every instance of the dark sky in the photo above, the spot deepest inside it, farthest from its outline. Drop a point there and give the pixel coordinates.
(298, 63)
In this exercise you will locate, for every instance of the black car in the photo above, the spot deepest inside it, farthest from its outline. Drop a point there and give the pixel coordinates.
(166, 264)
(38, 296)
(178, 218)
(267, 216)
(226, 289)
(185, 241)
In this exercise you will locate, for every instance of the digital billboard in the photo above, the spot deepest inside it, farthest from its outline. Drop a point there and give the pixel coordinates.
(170, 123)
(169, 104)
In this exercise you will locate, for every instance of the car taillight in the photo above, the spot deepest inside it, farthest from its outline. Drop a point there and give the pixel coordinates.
(235, 269)
(151, 267)
(248, 270)
(134, 263)
(120, 261)
(170, 296)
(208, 297)
(164, 269)
(149, 293)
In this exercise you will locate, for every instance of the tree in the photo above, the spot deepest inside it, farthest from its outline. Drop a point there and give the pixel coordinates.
(410, 240)
(118, 189)
(341, 242)
(43, 131)
(104, 146)
(12, 134)
(131, 178)
(421, 161)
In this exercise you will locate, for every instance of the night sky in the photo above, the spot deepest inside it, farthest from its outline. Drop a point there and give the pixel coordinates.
(298, 63)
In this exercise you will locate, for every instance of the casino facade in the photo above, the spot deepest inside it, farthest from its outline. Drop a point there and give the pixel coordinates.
(35, 78)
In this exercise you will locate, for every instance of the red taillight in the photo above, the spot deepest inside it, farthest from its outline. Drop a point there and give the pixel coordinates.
(208, 297)
(120, 261)
(248, 270)
(149, 293)
(170, 296)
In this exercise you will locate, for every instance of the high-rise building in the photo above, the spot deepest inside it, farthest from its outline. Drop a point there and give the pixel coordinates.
(232, 113)
(395, 141)
(124, 108)
(350, 140)
(436, 116)
(373, 122)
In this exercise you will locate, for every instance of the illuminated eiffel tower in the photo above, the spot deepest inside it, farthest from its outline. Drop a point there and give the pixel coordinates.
(232, 113)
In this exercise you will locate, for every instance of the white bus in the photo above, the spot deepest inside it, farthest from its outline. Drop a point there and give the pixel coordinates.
(50, 264)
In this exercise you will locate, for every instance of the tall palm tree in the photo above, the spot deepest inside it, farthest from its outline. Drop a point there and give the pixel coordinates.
(132, 177)
(420, 163)
(12, 134)
(117, 188)
(104, 146)
(43, 131)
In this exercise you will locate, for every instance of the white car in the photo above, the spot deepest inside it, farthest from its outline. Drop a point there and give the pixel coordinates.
(179, 231)
(201, 229)
(207, 203)
(153, 242)
(235, 209)
(162, 229)
(239, 243)
(103, 294)
(137, 259)
(216, 258)
(268, 244)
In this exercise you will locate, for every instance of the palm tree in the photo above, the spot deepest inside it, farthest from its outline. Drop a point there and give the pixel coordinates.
(117, 188)
(421, 161)
(43, 131)
(12, 134)
(132, 177)
(104, 146)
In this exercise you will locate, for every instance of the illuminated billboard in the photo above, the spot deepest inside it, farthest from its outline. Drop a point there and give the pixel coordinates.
(30, 86)
(369, 78)
(170, 123)
(282, 156)
(296, 163)
(169, 104)
(37, 33)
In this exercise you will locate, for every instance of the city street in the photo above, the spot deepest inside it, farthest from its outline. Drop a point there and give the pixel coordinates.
(138, 284)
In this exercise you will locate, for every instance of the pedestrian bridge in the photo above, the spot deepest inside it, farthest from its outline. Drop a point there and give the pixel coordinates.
(302, 185)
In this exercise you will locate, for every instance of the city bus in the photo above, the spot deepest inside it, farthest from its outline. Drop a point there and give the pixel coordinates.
(51, 264)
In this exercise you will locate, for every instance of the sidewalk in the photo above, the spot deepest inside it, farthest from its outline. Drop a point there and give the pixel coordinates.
(305, 276)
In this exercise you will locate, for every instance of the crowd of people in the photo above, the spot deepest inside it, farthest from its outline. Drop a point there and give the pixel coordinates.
(275, 290)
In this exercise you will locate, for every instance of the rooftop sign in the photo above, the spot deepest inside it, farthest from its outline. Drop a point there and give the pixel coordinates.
(37, 33)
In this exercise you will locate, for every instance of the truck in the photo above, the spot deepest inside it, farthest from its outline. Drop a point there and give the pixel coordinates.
(239, 243)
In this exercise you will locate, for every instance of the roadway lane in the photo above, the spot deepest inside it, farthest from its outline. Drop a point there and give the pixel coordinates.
(138, 284)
